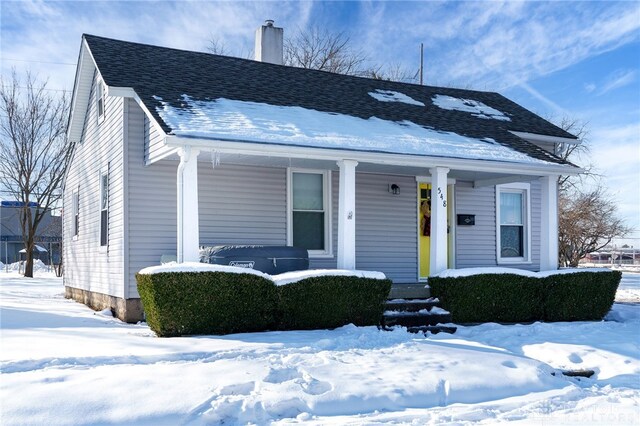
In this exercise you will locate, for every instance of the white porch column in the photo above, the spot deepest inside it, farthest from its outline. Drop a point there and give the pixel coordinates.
(549, 224)
(188, 223)
(439, 249)
(347, 215)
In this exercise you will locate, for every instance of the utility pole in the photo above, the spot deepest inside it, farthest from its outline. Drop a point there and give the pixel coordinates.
(421, 62)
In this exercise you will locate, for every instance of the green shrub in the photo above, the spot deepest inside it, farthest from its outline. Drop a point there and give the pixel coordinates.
(509, 298)
(489, 297)
(581, 296)
(181, 303)
(331, 301)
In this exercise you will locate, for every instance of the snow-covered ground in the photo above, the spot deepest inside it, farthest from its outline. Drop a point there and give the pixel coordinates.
(62, 363)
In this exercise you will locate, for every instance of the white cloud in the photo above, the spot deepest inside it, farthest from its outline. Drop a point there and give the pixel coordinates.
(590, 87)
(616, 153)
(499, 44)
(618, 79)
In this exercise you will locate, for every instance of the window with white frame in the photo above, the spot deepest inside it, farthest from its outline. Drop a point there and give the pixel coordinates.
(104, 208)
(513, 223)
(75, 204)
(100, 101)
(309, 212)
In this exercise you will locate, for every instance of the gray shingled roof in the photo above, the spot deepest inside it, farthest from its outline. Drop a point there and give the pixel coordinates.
(167, 73)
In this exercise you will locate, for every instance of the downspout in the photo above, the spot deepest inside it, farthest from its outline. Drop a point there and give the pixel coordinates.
(185, 155)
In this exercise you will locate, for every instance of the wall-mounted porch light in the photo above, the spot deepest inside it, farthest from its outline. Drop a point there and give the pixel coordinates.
(394, 189)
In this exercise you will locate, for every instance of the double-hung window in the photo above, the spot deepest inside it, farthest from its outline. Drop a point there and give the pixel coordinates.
(100, 101)
(75, 204)
(309, 212)
(104, 208)
(513, 223)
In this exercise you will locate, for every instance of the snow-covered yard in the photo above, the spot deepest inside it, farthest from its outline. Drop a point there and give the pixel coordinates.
(62, 363)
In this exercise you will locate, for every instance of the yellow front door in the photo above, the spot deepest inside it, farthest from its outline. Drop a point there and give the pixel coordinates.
(424, 227)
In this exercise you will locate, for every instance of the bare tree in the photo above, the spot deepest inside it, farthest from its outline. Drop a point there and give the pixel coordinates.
(321, 50)
(393, 72)
(217, 46)
(588, 221)
(588, 218)
(576, 153)
(34, 153)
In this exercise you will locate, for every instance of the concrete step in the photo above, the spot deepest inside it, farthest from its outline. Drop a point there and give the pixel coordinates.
(416, 319)
(409, 291)
(433, 329)
(411, 305)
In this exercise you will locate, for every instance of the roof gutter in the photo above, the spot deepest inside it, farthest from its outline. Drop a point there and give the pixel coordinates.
(231, 146)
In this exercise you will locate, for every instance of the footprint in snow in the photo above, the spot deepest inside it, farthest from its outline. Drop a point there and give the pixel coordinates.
(236, 389)
(575, 358)
(281, 375)
(313, 386)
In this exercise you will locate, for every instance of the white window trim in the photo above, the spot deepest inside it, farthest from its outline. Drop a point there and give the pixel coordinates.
(101, 93)
(75, 209)
(326, 195)
(102, 189)
(525, 188)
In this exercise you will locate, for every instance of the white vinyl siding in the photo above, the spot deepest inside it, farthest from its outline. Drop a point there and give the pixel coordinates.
(87, 265)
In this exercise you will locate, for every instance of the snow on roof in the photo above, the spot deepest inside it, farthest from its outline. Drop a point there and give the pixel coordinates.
(391, 96)
(476, 108)
(227, 119)
(36, 247)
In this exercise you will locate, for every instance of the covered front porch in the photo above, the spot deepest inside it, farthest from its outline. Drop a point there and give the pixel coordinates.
(373, 210)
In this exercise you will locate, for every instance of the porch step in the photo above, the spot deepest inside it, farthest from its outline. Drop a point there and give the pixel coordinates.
(418, 315)
(409, 291)
(433, 329)
(411, 305)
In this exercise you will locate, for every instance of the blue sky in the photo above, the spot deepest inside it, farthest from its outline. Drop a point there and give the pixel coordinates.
(576, 59)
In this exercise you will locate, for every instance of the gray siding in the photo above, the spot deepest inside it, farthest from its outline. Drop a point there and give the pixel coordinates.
(155, 148)
(386, 226)
(242, 205)
(476, 245)
(89, 266)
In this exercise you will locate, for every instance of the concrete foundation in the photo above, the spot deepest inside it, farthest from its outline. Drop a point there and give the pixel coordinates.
(127, 310)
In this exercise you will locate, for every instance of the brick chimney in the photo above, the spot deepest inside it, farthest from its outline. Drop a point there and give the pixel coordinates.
(269, 45)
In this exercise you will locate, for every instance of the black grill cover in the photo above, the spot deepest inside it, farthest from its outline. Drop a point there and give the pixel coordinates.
(272, 260)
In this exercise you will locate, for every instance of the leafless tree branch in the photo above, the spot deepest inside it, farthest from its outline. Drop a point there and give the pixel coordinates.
(34, 153)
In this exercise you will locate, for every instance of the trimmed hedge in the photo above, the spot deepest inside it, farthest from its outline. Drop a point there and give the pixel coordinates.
(183, 303)
(331, 301)
(509, 298)
(581, 296)
(489, 297)
(180, 303)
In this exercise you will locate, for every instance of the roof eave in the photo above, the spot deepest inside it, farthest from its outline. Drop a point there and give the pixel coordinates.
(477, 165)
(535, 137)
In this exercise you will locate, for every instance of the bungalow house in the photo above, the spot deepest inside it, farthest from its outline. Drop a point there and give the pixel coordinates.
(178, 149)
